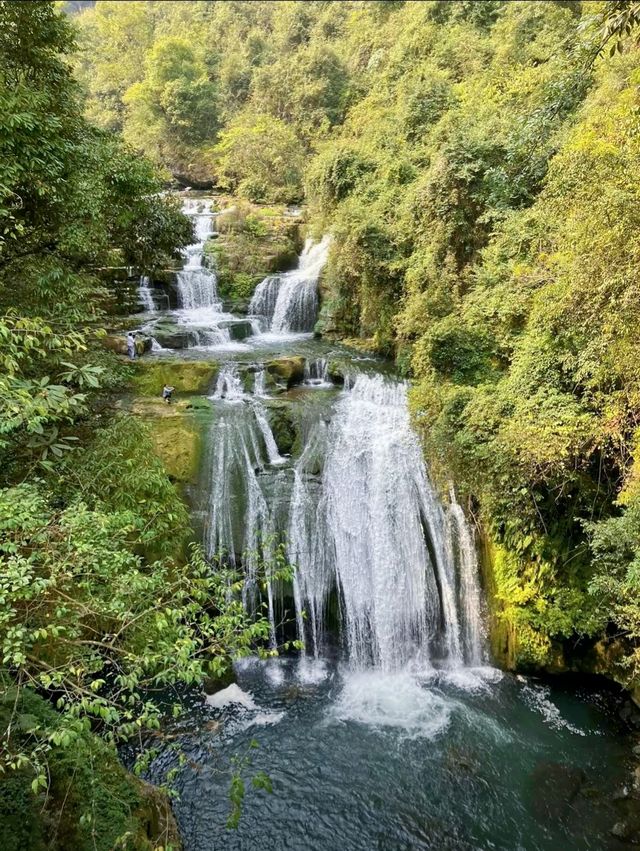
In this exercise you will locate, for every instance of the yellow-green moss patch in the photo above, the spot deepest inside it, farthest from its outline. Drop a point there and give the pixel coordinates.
(185, 376)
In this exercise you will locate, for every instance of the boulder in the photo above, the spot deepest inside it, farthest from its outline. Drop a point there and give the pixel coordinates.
(118, 343)
(282, 425)
(287, 371)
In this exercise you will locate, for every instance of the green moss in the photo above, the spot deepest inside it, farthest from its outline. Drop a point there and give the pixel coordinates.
(185, 376)
(177, 443)
(176, 433)
(282, 425)
(516, 644)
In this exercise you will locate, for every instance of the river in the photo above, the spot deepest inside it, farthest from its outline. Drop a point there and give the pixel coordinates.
(391, 729)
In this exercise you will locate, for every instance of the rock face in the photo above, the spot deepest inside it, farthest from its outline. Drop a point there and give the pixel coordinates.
(184, 376)
(118, 343)
(177, 442)
(286, 371)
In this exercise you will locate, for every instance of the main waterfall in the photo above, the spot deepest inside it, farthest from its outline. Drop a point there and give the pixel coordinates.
(361, 522)
(289, 302)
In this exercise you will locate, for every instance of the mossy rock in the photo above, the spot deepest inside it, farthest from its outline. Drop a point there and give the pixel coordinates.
(337, 371)
(185, 376)
(282, 425)
(287, 371)
(176, 433)
(118, 343)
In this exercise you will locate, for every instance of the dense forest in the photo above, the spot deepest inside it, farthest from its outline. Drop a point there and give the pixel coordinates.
(477, 166)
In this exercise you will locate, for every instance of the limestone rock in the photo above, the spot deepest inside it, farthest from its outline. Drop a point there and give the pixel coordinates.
(184, 376)
(289, 371)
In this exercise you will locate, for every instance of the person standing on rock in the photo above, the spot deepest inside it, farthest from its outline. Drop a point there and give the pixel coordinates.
(131, 345)
(167, 390)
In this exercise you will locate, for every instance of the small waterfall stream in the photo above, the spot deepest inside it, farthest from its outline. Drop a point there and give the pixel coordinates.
(146, 296)
(290, 301)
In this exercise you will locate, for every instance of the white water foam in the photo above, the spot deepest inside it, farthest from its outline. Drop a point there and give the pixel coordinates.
(392, 701)
(232, 694)
(537, 698)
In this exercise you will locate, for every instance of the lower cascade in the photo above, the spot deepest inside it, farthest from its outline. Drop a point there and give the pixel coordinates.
(361, 520)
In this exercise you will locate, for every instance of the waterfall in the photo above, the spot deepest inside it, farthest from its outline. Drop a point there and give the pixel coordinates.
(145, 294)
(388, 532)
(309, 546)
(197, 286)
(469, 595)
(360, 518)
(239, 518)
(316, 373)
(290, 301)
(263, 302)
(260, 383)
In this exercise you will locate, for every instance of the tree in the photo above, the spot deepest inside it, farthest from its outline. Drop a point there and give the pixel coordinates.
(261, 158)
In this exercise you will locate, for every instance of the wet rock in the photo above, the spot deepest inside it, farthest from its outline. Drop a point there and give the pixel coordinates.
(336, 372)
(288, 371)
(555, 785)
(212, 685)
(118, 343)
(282, 426)
(630, 714)
(620, 794)
(627, 830)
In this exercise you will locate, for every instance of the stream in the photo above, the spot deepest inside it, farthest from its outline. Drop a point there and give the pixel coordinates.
(391, 729)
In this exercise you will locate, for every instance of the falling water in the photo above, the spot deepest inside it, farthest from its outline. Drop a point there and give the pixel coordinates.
(469, 594)
(361, 518)
(197, 285)
(290, 301)
(240, 518)
(145, 294)
(316, 373)
(388, 531)
(260, 383)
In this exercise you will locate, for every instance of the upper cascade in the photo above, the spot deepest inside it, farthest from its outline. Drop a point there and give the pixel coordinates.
(197, 285)
(290, 301)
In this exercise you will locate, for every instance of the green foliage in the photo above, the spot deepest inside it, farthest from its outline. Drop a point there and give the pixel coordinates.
(67, 205)
(88, 621)
(259, 157)
(254, 242)
(91, 801)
